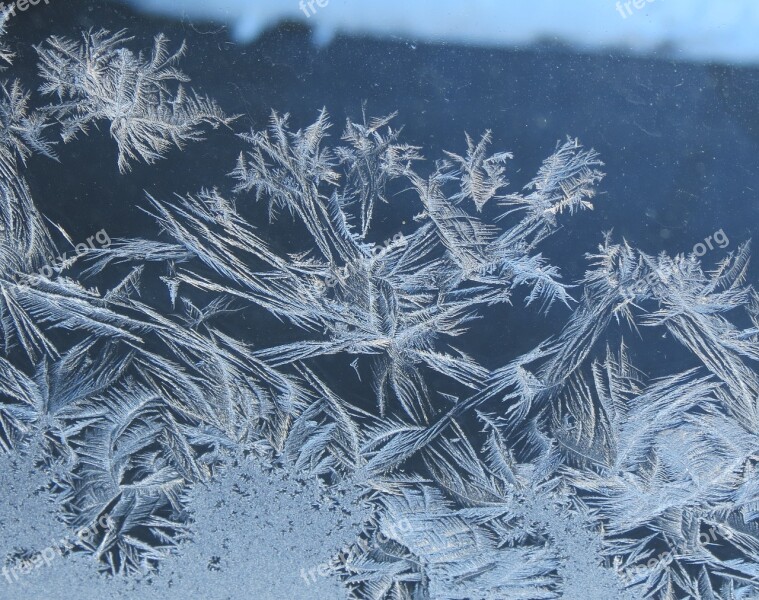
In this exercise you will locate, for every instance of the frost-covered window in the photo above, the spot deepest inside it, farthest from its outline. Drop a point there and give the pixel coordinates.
(379, 300)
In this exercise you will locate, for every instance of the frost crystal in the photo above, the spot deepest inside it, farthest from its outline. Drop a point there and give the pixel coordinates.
(362, 446)
(101, 79)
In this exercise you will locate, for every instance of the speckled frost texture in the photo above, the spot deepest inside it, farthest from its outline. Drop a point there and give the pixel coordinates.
(259, 533)
(29, 520)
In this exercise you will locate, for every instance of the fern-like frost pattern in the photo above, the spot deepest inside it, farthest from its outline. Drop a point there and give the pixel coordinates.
(566, 472)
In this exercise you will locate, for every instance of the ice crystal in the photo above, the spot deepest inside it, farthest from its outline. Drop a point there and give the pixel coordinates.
(565, 472)
(99, 78)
